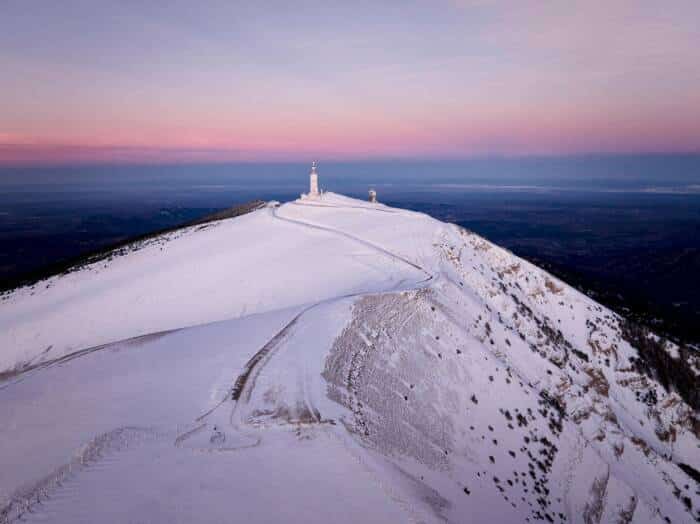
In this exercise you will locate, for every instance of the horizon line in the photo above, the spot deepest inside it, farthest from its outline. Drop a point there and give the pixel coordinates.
(352, 159)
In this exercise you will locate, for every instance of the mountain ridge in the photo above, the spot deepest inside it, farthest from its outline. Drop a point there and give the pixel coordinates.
(397, 331)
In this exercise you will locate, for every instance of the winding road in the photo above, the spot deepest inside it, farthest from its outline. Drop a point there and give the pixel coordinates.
(244, 383)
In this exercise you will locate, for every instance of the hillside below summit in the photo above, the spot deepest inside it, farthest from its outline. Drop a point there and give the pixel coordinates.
(330, 359)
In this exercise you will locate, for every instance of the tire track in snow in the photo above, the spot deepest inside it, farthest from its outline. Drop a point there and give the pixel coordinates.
(352, 237)
(26, 372)
(263, 354)
(365, 208)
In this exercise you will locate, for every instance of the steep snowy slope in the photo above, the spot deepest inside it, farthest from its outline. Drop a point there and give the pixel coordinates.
(351, 362)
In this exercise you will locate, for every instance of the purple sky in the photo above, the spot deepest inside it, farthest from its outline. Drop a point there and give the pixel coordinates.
(89, 81)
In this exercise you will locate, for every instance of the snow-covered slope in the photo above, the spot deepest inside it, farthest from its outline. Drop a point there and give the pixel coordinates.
(219, 271)
(333, 360)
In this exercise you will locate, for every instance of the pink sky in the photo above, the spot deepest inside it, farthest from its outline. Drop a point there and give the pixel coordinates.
(224, 82)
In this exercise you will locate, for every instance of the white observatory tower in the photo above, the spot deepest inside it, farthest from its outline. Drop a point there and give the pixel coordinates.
(313, 181)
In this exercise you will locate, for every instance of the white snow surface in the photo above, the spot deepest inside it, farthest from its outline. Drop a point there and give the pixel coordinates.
(330, 360)
(231, 269)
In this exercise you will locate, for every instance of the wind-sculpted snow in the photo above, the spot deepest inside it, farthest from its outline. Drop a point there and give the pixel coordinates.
(366, 364)
(377, 384)
(25, 500)
(516, 387)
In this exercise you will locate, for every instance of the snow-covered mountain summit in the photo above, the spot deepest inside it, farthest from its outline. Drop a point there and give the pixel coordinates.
(336, 360)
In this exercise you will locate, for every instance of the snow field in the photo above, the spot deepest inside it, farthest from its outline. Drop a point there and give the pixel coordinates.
(350, 362)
